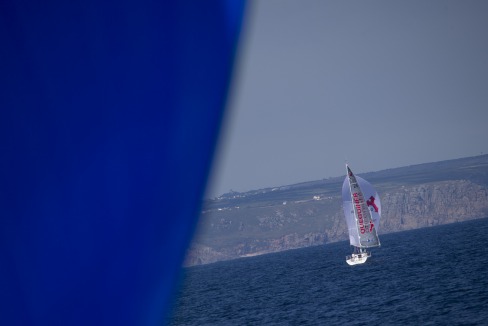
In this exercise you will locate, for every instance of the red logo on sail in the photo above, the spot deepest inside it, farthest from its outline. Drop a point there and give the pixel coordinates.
(370, 202)
(371, 226)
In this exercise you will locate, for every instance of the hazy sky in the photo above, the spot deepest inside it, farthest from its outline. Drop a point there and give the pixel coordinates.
(380, 84)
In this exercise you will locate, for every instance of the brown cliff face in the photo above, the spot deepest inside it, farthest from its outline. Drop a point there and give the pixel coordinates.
(313, 216)
(433, 204)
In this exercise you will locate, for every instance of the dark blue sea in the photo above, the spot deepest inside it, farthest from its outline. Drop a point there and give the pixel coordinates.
(431, 276)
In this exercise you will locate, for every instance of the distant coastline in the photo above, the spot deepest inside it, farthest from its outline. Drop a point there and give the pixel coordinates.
(274, 219)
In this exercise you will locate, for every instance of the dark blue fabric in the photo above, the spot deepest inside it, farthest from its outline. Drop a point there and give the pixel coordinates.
(109, 114)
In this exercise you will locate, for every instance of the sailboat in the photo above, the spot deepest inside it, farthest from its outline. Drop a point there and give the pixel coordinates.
(362, 209)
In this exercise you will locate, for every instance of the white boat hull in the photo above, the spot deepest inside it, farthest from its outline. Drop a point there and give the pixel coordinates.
(356, 259)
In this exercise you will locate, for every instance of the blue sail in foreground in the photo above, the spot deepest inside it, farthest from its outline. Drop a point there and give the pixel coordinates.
(362, 210)
(110, 111)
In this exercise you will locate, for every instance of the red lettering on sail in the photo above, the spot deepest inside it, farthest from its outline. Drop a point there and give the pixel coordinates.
(370, 202)
(359, 213)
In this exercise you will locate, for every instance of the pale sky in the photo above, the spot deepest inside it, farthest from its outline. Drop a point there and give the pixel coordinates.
(381, 84)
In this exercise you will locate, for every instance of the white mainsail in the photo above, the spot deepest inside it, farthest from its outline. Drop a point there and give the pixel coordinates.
(362, 209)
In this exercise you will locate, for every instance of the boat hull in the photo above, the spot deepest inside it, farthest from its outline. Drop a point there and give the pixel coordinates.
(356, 259)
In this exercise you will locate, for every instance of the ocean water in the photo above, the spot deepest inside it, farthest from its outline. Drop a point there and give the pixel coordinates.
(431, 276)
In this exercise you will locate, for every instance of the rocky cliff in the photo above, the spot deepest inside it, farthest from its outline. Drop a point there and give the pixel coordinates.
(433, 204)
(310, 214)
